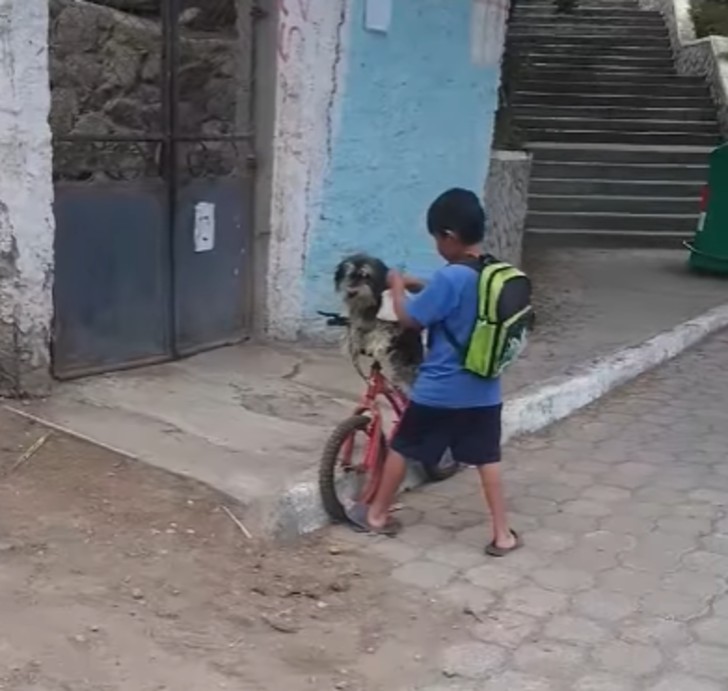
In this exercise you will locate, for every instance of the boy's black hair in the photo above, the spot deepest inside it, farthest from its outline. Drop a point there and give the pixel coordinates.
(459, 211)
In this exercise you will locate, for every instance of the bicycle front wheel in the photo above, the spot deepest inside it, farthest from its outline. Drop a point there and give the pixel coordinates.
(345, 476)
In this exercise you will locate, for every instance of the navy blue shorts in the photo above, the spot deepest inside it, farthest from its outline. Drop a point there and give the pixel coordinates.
(473, 435)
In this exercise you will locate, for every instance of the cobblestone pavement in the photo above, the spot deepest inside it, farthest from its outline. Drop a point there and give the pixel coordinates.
(622, 585)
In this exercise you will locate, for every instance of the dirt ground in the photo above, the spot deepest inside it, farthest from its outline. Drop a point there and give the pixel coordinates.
(115, 576)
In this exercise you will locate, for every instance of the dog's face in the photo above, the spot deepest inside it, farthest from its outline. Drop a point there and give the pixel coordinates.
(361, 280)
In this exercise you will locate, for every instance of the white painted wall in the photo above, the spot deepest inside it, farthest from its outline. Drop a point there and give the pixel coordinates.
(26, 197)
(310, 65)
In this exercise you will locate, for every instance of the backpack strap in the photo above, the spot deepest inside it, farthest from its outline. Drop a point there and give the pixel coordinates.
(477, 264)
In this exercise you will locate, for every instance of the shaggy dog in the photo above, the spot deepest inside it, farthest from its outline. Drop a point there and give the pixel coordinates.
(361, 280)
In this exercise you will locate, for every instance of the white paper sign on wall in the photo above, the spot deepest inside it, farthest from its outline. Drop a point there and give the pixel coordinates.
(204, 227)
(488, 31)
(378, 15)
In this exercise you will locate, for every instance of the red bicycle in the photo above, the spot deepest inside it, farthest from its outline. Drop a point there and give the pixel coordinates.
(353, 458)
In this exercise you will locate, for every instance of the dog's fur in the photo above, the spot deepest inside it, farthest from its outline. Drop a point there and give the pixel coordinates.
(361, 281)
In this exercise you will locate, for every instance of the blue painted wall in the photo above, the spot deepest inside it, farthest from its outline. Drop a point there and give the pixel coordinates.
(416, 117)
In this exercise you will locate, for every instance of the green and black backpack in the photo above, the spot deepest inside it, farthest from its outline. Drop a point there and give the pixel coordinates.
(503, 321)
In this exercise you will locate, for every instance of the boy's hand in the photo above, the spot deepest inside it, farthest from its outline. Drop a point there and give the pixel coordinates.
(400, 281)
(395, 280)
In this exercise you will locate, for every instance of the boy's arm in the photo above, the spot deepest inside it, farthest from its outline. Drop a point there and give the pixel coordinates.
(432, 305)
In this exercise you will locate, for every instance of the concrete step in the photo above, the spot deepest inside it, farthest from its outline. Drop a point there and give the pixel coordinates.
(598, 39)
(607, 77)
(621, 155)
(613, 205)
(567, 61)
(541, 98)
(605, 239)
(585, 5)
(585, 85)
(623, 187)
(556, 171)
(699, 115)
(665, 223)
(523, 52)
(600, 15)
(618, 125)
(608, 137)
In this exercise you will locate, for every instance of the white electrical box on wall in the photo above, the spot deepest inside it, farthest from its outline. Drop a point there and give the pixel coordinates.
(204, 230)
(378, 15)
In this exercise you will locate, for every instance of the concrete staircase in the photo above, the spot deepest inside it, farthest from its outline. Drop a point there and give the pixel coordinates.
(619, 139)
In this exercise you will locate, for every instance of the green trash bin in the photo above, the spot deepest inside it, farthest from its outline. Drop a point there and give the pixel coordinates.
(709, 248)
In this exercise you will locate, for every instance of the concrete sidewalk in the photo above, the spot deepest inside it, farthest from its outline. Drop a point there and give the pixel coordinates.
(251, 420)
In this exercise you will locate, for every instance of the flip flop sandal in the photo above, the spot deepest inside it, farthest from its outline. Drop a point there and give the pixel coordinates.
(357, 516)
(492, 550)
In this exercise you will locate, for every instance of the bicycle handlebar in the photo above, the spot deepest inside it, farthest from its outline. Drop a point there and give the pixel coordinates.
(334, 318)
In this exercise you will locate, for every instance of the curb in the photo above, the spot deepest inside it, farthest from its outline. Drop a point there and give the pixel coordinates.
(299, 510)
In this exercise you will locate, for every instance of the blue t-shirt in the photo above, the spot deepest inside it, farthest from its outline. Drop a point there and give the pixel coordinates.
(450, 297)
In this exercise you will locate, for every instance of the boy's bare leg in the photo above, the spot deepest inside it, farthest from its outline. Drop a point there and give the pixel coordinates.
(393, 475)
(490, 478)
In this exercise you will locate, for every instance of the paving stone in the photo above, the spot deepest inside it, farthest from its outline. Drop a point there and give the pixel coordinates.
(629, 659)
(549, 658)
(424, 574)
(605, 605)
(641, 508)
(515, 681)
(564, 580)
(710, 496)
(667, 603)
(606, 494)
(609, 542)
(472, 660)
(576, 479)
(679, 682)
(534, 506)
(554, 492)
(707, 562)
(704, 661)
(714, 631)
(717, 544)
(685, 526)
(629, 581)
(655, 630)
(421, 501)
(568, 522)
(395, 550)
(451, 518)
(627, 525)
(691, 583)
(583, 557)
(423, 535)
(550, 541)
(720, 607)
(494, 576)
(505, 628)
(604, 682)
(458, 556)
(466, 596)
(476, 536)
(575, 630)
(586, 507)
(535, 601)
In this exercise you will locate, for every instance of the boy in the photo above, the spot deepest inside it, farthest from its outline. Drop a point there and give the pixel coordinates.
(450, 407)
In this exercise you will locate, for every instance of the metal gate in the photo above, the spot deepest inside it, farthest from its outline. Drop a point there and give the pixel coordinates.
(152, 130)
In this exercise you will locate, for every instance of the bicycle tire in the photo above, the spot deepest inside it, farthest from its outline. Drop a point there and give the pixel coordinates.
(330, 459)
(440, 472)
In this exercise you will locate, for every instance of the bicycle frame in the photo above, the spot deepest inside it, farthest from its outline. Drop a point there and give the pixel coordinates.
(377, 386)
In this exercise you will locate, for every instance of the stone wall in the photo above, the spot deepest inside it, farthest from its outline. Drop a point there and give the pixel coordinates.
(506, 204)
(106, 78)
(706, 57)
(26, 194)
